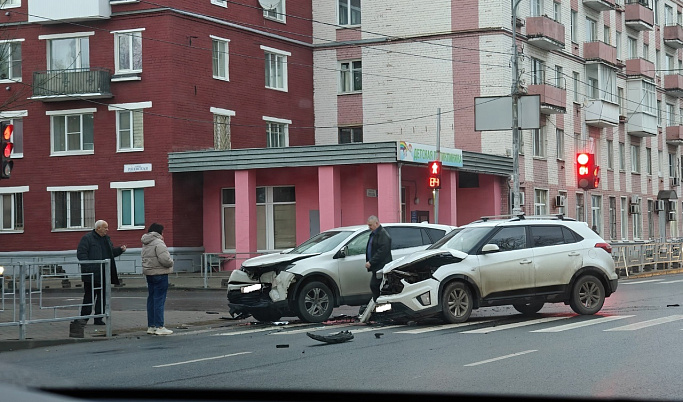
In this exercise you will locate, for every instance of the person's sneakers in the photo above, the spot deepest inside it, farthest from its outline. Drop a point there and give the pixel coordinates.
(163, 331)
(151, 330)
(99, 322)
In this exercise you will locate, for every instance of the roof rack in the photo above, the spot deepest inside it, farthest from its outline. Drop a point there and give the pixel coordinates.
(519, 217)
(560, 217)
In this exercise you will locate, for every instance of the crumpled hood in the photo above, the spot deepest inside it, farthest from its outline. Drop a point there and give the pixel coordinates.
(421, 256)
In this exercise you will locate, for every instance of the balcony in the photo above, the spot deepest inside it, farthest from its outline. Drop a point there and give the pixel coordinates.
(60, 85)
(544, 32)
(674, 135)
(601, 113)
(673, 84)
(640, 67)
(673, 36)
(640, 124)
(599, 5)
(553, 95)
(52, 12)
(639, 15)
(600, 52)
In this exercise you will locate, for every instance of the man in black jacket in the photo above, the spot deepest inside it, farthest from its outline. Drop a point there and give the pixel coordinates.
(378, 253)
(97, 245)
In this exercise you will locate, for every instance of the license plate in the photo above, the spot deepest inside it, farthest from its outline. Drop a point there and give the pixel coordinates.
(251, 288)
(383, 308)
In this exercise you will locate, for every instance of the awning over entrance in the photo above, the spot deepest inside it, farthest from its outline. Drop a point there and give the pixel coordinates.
(667, 195)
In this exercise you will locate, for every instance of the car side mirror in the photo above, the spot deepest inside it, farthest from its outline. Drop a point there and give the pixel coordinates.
(490, 248)
(343, 252)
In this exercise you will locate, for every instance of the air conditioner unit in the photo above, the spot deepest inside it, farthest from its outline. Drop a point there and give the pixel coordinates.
(659, 205)
(671, 216)
(634, 209)
(671, 206)
(560, 201)
(675, 181)
(635, 199)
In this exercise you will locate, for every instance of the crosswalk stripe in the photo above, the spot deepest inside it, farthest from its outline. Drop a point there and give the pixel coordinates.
(495, 359)
(639, 282)
(369, 329)
(514, 325)
(440, 327)
(677, 281)
(648, 323)
(252, 330)
(585, 323)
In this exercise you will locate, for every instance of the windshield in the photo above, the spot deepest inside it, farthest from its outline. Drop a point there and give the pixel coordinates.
(462, 239)
(321, 243)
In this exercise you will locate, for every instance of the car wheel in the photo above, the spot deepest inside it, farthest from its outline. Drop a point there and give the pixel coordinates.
(528, 308)
(588, 295)
(266, 316)
(456, 303)
(315, 302)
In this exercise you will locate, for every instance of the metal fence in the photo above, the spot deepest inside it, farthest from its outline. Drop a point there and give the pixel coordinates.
(222, 263)
(639, 257)
(23, 302)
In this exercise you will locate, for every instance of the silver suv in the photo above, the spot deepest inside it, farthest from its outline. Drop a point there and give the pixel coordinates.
(521, 261)
(324, 272)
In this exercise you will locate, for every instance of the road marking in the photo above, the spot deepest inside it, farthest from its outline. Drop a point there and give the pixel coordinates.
(677, 281)
(585, 323)
(201, 360)
(249, 331)
(495, 359)
(639, 282)
(313, 329)
(368, 329)
(648, 323)
(513, 325)
(440, 327)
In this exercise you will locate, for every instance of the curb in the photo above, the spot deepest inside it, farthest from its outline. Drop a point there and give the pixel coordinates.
(12, 345)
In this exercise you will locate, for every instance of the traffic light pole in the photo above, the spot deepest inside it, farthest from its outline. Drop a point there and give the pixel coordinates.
(516, 209)
(438, 158)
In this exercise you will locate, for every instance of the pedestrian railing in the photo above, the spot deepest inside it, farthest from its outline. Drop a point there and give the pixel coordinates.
(222, 264)
(638, 257)
(23, 302)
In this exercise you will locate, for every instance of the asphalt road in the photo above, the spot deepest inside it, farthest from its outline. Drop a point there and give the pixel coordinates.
(630, 350)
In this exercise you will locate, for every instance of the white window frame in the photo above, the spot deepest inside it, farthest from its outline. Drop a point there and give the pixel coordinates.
(129, 35)
(540, 201)
(349, 11)
(10, 4)
(635, 158)
(277, 14)
(71, 189)
(596, 212)
(6, 46)
(71, 35)
(648, 160)
(13, 192)
(226, 58)
(347, 76)
(610, 154)
(535, 8)
(622, 157)
(121, 186)
(281, 122)
(539, 142)
(66, 113)
(623, 205)
(220, 3)
(269, 215)
(130, 108)
(281, 64)
(226, 114)
(637, 224)
(557, 11)
(559, 143)
(574, 20)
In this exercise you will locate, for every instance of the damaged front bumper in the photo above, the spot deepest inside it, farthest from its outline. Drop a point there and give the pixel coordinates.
(268, 293)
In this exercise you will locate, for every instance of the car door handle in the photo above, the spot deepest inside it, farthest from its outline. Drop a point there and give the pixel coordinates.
(525, 262)
(574, 254)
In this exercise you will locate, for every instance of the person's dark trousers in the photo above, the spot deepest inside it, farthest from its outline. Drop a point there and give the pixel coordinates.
(374, 286)
(100, 294)
(157, 287)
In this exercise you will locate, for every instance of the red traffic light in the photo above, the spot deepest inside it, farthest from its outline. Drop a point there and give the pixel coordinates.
(7, 131)
(434, 174)
(586, 171)
(6, 150)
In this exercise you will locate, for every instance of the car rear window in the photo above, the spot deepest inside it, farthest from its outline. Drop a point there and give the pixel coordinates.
(543, 236)
(430, 235)
(404, 237)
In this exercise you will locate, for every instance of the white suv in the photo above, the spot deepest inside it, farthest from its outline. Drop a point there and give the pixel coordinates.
(324, 272)
(520, 261)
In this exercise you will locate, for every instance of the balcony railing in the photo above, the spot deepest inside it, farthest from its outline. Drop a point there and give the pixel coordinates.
(642, 67)
(673, 36)
(673, 84)
(639, 15)
(551, 91)
(599, 5)
(544, 32)
(600, 51)
(71, 84)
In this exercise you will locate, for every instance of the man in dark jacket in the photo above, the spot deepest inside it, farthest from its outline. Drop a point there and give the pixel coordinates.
(97, 245)
(378, 253)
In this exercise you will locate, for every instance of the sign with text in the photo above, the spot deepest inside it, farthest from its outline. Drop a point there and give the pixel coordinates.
(414, 152)
(140, 167)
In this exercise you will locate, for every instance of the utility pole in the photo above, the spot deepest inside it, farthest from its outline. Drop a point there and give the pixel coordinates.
(438, 158)
(516, 209)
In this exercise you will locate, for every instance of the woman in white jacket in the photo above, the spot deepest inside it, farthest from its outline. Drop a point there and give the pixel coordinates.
(156, 265)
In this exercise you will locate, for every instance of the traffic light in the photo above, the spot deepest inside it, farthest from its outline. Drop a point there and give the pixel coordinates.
(6, 149)
(586, 171)
(434, 174)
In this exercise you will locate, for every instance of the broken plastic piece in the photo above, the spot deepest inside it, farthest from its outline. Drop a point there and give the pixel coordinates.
(339, 337)
(282, 346)
(378, 334)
